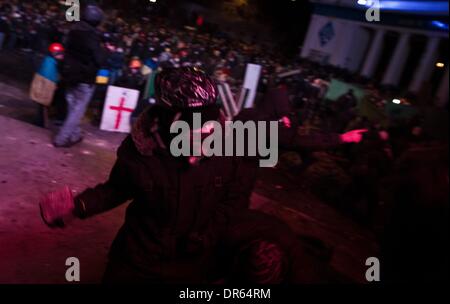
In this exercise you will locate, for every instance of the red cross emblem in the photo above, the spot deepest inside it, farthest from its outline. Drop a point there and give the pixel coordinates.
(121, 108)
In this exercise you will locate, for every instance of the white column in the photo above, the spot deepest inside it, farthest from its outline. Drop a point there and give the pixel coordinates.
(395, 68)
(340, 56)
(426, 65)
(374, 54)
(442, 93)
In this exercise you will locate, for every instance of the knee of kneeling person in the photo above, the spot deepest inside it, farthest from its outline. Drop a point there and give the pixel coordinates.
(260, 262)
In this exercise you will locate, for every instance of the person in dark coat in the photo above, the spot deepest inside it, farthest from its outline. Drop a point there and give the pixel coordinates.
(371, 161)
(84, 57)
(4, 29)
(116, 62)
(414, 244)
(132, 77)
(188, 214)
(345, 109)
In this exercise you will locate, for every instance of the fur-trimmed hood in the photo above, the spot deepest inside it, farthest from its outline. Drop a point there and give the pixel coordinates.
(145, 133)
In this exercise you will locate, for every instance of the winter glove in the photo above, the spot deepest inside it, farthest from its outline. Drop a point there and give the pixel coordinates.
(286, 121)
(354, 136)
(57, 208)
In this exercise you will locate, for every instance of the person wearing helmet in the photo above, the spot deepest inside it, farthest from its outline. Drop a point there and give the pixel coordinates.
(188, 214)
(135, 63)
(132, 77)
(56, 50)
(84, 57)
(44, 85)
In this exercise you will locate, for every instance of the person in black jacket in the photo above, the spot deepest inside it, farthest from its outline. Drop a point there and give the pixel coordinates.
(414, 242)
(84, 57)
(188, 213)
(4, 29)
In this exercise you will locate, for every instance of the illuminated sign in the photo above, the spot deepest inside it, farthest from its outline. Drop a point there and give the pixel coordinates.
(410, 6)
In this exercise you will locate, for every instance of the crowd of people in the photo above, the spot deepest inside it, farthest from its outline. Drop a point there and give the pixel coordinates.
(156, 42)
(402, 164)
(33, 26)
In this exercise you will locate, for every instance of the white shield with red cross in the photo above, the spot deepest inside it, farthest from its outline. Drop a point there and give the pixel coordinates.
(119, 105)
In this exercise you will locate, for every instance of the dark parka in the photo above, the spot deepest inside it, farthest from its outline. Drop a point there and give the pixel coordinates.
(181, 213)
(84, 54)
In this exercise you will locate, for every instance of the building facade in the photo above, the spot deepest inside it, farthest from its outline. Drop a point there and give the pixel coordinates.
(397, 43)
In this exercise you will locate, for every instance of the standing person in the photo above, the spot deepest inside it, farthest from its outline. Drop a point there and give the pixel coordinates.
(44, 84)
(84, 57)
(187, 211)
(4, 29)
(11, 42)
(347, 101)
(116, 62)
(345, 109)
(416, 230)
(132, 77)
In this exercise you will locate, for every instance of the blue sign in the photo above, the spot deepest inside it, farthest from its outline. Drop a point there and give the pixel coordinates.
(326, 33)
(419, 6)
(425, 21)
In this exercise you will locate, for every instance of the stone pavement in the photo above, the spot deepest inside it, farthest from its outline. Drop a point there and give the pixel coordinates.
(31, 166)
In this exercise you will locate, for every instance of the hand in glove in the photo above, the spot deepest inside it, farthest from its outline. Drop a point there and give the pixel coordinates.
(57, 207)
(286, 121)
(354, 136)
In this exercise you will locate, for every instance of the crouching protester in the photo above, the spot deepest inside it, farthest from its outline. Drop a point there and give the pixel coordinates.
(189, 219)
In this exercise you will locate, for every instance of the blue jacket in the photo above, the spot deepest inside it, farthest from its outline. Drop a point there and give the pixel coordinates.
(49, 69)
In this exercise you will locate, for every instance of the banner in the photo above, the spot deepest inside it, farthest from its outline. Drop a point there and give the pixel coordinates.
(119, 105)
(374, 113)
(102, 77)
(44, 83)
(338, 88)
(227, 100)
(149, 91)
(251, 81)
(42, 90)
